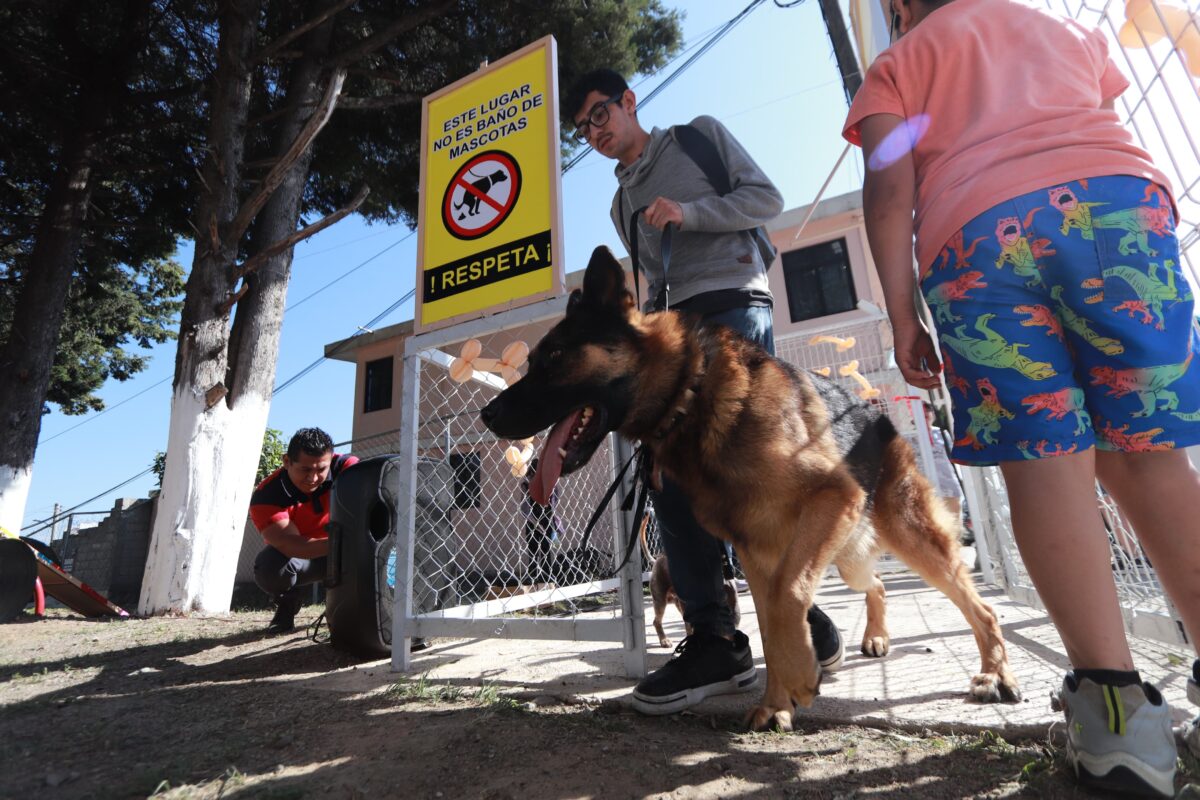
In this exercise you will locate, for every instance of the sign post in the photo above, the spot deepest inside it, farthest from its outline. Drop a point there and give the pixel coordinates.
(490, 220)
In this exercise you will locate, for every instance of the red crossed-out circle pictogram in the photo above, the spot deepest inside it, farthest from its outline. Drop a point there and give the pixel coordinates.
(481, 195)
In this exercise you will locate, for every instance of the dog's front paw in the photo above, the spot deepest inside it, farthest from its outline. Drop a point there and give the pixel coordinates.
(764, 717)
(664, 642)
(876, 646)
(993, 687)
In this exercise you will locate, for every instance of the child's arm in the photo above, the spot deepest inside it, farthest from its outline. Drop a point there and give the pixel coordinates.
(888, 191)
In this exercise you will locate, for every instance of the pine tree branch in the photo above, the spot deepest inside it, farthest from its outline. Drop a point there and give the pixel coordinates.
(230, 301)
(253, 263)
(302, 142)
(376, 103)
(402, 25)
(274, 48)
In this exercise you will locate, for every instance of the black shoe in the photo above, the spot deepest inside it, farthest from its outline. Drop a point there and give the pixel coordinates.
(704, 665)
(284, 620)
(827, 641)
(417, 644)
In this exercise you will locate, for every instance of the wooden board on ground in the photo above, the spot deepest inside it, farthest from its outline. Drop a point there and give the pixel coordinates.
(74, 593)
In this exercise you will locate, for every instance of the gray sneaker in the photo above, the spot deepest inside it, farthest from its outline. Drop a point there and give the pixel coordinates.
(1189, 732)
(1119, 738)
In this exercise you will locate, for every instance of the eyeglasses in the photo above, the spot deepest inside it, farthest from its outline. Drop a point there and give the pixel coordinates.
(595, 118)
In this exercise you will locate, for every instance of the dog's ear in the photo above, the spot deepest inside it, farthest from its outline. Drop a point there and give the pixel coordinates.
(604, 281)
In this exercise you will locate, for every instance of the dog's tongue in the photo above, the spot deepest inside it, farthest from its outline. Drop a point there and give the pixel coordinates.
(550, 462)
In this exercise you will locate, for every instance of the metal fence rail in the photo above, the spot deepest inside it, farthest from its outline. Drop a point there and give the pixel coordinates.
(481, 559)
(1162, 105)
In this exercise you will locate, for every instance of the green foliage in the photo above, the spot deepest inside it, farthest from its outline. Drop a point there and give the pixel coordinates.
(150, 117)
(124, 307)
(58, 78)
(381, 148)
(270, 458)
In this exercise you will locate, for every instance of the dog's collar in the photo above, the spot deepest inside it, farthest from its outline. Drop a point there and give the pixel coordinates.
(683, 404)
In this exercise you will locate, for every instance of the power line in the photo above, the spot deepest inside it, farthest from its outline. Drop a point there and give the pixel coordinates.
(717, 37)
(345, 342)
(278, 389)
(51, 520)
(104, 411)
(305, 299)
(717, 33)
(721, 32)
(341, 245)
(352, 270)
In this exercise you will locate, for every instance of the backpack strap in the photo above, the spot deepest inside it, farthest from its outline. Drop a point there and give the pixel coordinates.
(700, 149)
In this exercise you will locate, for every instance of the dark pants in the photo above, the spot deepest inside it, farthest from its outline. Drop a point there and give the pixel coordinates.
(281, 577)
(693, 553)
(539, 533)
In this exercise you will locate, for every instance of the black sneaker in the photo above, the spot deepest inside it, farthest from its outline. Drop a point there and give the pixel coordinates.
(284, 620)
(827, 640)
(704, 665)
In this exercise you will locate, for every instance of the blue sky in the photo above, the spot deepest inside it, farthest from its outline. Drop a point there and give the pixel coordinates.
(772, 81)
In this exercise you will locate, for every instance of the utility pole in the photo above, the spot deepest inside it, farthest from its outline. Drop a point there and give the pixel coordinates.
(54, 522)
(843, 47)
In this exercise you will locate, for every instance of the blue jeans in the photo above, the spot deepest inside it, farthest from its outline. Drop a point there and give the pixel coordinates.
(693, 553)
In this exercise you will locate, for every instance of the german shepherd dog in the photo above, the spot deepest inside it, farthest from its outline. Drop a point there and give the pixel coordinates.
(792, 469)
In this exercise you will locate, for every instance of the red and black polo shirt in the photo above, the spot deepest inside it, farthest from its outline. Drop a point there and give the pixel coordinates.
(277, 498)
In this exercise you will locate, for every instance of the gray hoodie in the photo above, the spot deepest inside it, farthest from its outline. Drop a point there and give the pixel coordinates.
(716, 247)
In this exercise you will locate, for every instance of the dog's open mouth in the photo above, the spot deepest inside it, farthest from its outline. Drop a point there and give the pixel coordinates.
(568, 447)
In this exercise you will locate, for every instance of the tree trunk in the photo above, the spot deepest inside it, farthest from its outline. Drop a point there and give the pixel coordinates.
(215, 440)
(189, 566)
(26, 357)
(254, 342)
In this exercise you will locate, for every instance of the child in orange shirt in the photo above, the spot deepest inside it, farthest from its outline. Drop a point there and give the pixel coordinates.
(1047, 253)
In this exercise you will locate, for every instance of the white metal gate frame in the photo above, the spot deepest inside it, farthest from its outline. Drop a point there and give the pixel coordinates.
(492, 618)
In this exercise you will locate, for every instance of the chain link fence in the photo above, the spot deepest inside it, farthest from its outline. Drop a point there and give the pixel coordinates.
(482, 549)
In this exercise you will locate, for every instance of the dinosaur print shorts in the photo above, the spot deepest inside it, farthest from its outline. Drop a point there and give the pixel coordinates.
(1065, 322)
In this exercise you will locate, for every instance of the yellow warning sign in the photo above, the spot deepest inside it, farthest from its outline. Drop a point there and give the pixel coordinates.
(490, 216)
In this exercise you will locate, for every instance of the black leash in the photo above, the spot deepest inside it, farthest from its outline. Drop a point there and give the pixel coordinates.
(314, 630)
(640, 493)
(641, 455)
(661, 303)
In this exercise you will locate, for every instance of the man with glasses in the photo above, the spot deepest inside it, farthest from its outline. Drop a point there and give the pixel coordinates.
(718, 270)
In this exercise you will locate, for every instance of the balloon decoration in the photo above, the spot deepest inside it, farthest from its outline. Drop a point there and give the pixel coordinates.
(468, 362)
(1147, 22)
(850, 370)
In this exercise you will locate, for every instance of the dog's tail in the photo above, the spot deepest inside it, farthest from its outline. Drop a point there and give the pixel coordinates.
(642, 538)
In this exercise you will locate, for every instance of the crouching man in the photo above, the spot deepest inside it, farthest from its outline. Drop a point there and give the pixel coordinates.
(290, 508)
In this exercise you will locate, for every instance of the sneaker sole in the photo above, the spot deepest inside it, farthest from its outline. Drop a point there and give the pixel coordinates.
(673, 703)
(1121, 772)
(834, 662)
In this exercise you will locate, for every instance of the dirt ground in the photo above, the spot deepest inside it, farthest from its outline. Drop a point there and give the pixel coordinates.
(209, 707)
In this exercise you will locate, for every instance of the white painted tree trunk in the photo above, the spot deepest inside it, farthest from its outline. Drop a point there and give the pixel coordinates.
(14, 491)
(212, 442)
(223, 375)
(211, 460)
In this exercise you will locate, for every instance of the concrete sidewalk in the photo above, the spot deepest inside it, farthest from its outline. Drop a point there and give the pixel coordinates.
(922, 683)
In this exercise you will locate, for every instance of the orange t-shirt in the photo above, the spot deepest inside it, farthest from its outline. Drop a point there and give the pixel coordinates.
(1000, 99)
